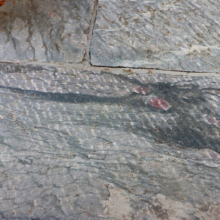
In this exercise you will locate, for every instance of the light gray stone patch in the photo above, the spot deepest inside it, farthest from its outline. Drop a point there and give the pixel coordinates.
(48, 31)
(163, 34)
(72, 146)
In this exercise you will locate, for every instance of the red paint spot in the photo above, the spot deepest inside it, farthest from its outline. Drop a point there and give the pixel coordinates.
(2, 2)
(141, 89)
(159, 103)
(210, 120)
(212, 154)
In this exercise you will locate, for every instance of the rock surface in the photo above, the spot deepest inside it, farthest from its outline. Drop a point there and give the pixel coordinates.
(163, 34)
(45, 30)
(160, 34)
(94, 145)
(90, 144)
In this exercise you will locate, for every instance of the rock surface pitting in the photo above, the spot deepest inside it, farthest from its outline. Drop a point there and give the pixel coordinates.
(160, 34)
(80, 144)
(45, 30)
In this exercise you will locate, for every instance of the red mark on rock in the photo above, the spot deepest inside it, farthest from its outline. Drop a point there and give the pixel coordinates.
(212, 154)
(2, 2)
(141, 89)
(159, 103)
(210, 121)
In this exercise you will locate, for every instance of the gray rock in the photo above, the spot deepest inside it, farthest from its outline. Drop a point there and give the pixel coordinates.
(80, 144)
(168, 35)
(44, 30)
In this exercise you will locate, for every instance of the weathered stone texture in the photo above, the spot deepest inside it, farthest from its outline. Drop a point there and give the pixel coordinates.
(94, 145)
(45, 30)
(164, 34)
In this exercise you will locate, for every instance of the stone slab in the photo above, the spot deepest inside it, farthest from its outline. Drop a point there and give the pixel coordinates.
(44, 30)
(79, 144)
(163, 34)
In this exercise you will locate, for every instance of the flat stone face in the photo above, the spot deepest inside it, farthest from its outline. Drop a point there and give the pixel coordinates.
(80, 144)
(45, 30)
(164, 34)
